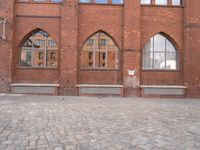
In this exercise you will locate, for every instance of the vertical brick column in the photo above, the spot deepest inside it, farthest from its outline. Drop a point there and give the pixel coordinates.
(109, 1)
(131, 47)
(6, 47)
(68, 51)
(170, 2)
(192, 51)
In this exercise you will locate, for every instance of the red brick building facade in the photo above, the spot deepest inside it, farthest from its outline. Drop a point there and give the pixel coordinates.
(139, 66)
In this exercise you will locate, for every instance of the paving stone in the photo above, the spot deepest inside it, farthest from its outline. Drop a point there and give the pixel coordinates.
(58, 148)
(87, 123)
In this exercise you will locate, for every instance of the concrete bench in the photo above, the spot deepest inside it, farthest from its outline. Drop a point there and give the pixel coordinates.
(100, 89)
(29, 88)
(166, 90)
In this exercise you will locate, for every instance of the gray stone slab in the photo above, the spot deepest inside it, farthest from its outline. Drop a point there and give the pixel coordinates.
(164, 91)
(100, 90)
(33, 90)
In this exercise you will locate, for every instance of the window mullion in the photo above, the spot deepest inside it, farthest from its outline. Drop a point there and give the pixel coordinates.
(116, 59)
(153, 55)
(106, 59)
(165, 53)
(45, 52)
(94, 53)
(32, 51)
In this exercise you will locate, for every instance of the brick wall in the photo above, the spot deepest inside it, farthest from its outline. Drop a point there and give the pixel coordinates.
(130, 25)
(68, 51)
(30, 17)
(192, 49)
(6, 11)
(168, 20)
(131, 46)
(108, 19)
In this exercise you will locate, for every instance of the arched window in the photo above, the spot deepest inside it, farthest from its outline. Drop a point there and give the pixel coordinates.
(39, 50)
(160, 53)
(100, 51)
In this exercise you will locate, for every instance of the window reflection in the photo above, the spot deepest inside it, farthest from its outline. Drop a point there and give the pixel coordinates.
(100, 51)
(39, 50)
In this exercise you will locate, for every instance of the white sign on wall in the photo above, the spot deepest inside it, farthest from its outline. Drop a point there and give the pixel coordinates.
(131, 72)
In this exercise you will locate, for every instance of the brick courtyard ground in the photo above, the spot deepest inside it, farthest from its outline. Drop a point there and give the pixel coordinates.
(39, 122)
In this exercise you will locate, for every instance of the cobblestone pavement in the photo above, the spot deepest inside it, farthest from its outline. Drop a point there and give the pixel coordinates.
(82, 123)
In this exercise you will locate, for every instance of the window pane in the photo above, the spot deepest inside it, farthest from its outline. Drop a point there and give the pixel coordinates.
(87, 59)
(52, 58)
(145, 1)
(159, 61)
(51, 44)
(28, 42)
(56, 1)
(103, 42)
(85, 1)
(161, 2)
(149, 45)
(100, 59)
(170, 47)
(171, 61)
(26, 57)
(147, 60)
(101, 1)
(38, 60)
(176, 2)
(117, 1)
(112, 61)
(159, 43)
(39, 0)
